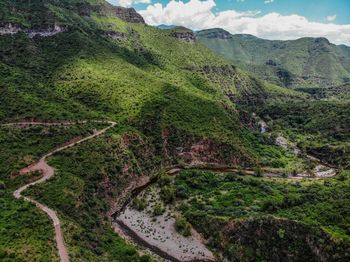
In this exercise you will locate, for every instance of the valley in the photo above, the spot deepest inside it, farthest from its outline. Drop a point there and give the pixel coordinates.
(151, 222)
(121, 141)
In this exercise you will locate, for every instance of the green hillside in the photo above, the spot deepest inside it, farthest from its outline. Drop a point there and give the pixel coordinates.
(302, 63)
(163, 92)
(175, 102)
(144, 78)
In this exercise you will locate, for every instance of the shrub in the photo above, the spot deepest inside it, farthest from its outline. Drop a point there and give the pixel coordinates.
(182, 226)
(167, 194)
(342, 177)
(258, 172)
(145, 258)
(270, 206)
(181, 191)
(164, 180)
(139, 204)
(158, 210)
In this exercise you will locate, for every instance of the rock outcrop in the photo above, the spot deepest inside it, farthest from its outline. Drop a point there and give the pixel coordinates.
(11, 29)
(115, 35)
(126, 14)
(129, 15)
(197, 151)
(183, 33)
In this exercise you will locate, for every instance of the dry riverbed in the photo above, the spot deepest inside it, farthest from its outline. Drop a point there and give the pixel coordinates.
(158, 232)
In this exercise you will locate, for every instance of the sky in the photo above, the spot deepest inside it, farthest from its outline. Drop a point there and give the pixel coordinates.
(269, 19)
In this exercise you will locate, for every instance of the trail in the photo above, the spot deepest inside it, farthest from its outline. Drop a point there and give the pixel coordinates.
(48, 172)
(134, 225)
(265, 172)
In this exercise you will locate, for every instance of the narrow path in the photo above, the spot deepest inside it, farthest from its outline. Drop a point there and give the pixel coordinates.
(265, 172)
(48, 172)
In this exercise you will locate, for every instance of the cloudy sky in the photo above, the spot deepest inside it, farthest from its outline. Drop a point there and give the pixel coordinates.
(270, 19)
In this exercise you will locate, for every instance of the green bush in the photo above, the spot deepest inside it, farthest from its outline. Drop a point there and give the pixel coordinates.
(158, 210)
(139, 203)
(168, 194)
(182, 226)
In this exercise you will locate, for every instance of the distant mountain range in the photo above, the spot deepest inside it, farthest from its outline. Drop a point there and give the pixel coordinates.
(305, 63)
(162, 26)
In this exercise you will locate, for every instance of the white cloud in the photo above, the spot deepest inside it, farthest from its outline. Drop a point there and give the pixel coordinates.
(128, 3)
(268, 1)
(331, 18)
(199, 14)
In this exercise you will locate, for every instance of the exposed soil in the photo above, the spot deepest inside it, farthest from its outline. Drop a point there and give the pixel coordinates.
(158, 233)
(48, 172)
(137, 225)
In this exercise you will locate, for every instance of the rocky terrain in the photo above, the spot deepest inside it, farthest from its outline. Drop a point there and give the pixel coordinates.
(184, 34)
(10, 29)
(157, 231)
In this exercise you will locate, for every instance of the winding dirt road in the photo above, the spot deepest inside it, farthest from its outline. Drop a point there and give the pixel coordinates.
(48, 172)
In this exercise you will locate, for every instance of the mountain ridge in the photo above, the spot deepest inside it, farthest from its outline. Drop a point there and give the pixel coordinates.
(290, 63)
(173, 103)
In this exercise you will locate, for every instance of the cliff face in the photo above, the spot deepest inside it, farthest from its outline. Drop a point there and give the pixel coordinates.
(128, 15)
(183, 33)
(10, 29)
(115, 35)
(52, 25)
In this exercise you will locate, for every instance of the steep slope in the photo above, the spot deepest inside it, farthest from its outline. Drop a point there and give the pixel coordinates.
(301, 63)
(103, 65)
(174, 101)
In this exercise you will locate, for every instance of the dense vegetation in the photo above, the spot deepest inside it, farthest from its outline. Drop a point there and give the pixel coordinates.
(219, 197)
(175, 102)
(89, 179)
(303, 63)
(147, 80)
(27, 233)
(320, 128)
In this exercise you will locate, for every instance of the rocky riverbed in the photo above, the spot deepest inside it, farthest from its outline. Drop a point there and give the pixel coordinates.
(158, 233)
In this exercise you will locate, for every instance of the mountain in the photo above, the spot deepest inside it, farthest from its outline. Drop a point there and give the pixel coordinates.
(303, 63)
(175, 102)
(162, 26)
(152, 122)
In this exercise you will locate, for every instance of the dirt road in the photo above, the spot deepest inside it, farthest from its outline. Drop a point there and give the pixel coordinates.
(48, 172)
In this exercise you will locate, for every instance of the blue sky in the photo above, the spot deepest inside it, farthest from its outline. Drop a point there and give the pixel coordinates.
(315, 10)
(270, 19)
